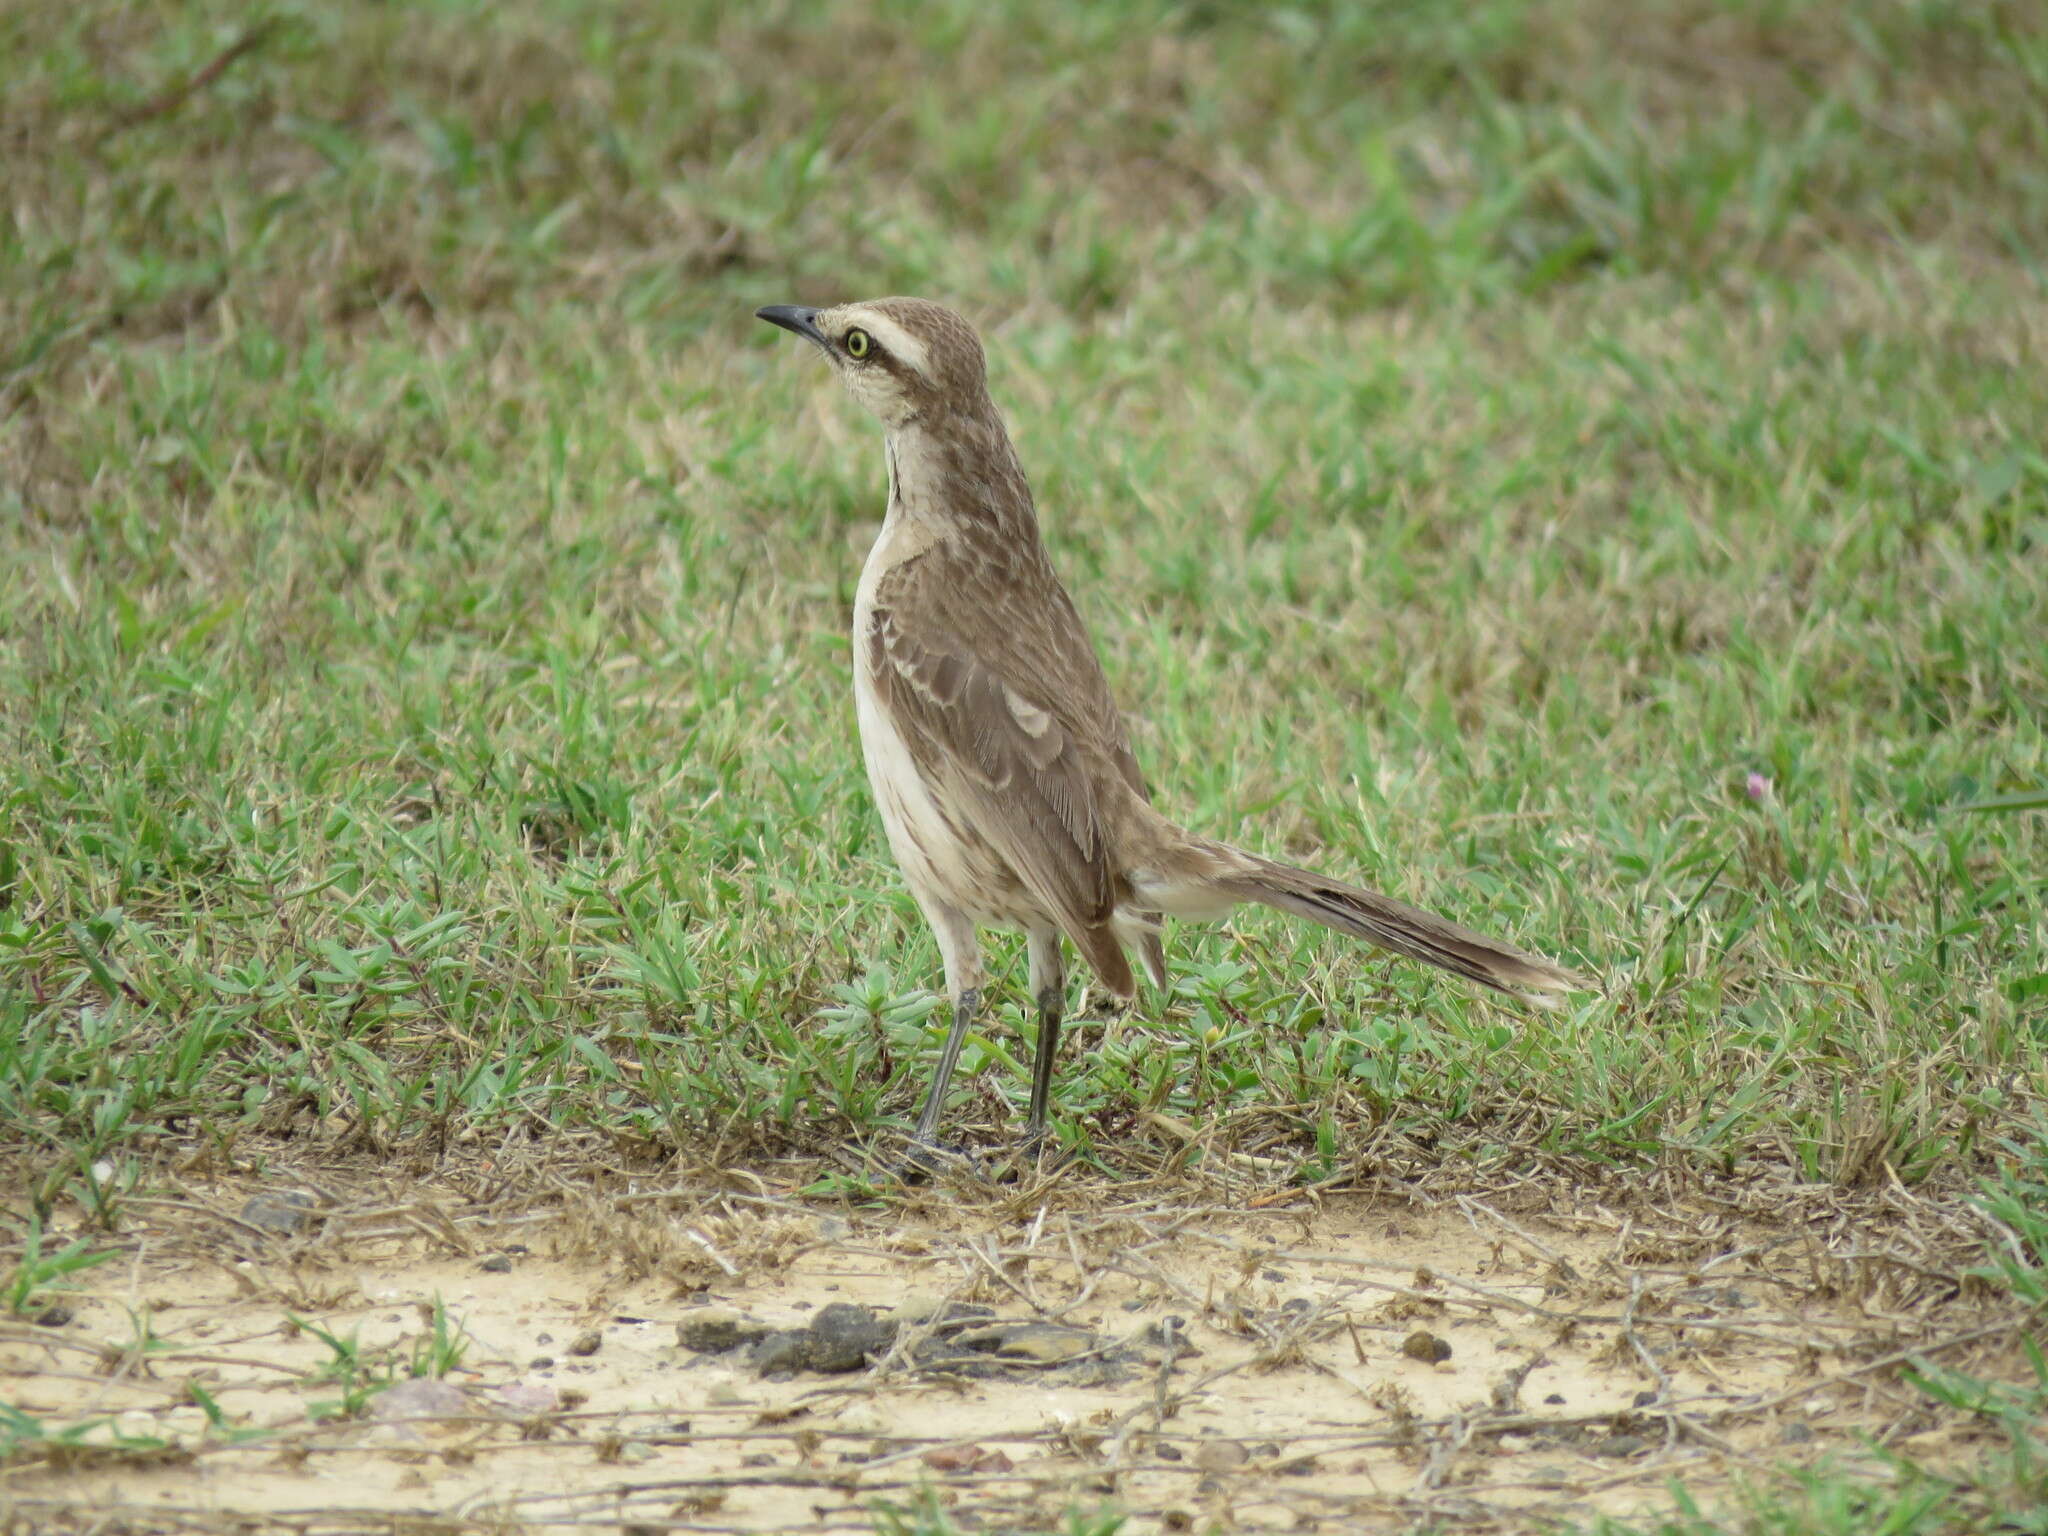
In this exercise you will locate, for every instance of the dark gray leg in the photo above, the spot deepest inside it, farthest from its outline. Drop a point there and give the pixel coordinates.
(1049, 991)
(955, 933)
(964, 1005)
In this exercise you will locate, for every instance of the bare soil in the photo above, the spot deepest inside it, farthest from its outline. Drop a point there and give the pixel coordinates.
(1203, 1357)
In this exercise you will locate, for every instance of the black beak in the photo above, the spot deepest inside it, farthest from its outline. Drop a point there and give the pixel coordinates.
(794, 317)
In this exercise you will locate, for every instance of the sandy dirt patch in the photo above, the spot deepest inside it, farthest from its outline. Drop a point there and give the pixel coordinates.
(1355, 1362)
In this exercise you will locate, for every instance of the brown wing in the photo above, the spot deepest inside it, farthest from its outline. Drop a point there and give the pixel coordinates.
(1151, 947)
(996, 697)
(1115, 737)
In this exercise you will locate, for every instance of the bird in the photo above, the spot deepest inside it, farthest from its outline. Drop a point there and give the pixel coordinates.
(999, 761)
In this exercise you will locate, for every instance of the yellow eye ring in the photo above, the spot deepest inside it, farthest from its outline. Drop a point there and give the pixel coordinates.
(858, 344)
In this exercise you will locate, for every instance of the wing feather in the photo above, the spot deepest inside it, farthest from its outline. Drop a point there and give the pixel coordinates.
(1007, 760)
(991, 677)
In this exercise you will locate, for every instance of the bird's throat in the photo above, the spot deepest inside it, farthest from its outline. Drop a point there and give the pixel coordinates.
(961, 475)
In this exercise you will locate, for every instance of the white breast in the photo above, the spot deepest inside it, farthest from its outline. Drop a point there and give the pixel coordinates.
(919, 836)
(944, 861)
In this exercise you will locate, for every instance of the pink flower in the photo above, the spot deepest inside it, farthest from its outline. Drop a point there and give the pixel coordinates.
(1758, 787)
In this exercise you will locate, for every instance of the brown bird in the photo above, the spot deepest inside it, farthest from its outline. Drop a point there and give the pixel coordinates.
(998, 758)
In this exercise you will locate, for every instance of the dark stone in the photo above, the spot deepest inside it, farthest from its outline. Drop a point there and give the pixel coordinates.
(54, 1317)
(496, 1264)
(1643, 1399)
(588, 1342)
(1425, 1346)
(781, 1352)
(839, 1339)
(285, 1212)
(843, 1336)
(1555, 1397)
(718, 1329)
(1041, 1343)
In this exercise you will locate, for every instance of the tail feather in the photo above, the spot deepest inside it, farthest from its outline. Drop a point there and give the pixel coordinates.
(1396, 926)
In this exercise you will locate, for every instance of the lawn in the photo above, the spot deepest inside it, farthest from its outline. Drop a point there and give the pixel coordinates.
(1576, 465)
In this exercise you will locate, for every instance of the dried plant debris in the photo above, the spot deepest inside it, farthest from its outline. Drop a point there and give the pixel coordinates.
(958, 1338)
(737, 1356)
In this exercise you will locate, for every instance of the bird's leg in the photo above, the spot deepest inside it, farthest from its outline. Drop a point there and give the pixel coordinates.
(955, 933)
(964, 1005)
(1048, 990)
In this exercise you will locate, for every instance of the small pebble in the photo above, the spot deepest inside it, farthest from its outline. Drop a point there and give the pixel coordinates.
(285, 1212)
(1425, 1346)
(1221, 1456)
(526, 1398)
(419, 1397)
(589, 1342)
(915, 1309)
(496, 1264)
(714, 1330)
(1042, 1343)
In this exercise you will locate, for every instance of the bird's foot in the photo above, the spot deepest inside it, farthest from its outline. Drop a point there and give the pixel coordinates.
(1037, 1154)
(925, 1160)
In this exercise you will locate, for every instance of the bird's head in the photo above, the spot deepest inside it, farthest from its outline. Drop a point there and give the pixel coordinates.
(906, 360)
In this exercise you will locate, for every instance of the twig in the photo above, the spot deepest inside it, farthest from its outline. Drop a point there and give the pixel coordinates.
(1650, 1363)
(169, 100)
(991, 1256)
(1541, 1249)
(1674, 1421)
(1457, 1434)
(716, 1257)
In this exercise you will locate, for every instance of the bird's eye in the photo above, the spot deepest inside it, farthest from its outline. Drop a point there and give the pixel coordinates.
(858, 344)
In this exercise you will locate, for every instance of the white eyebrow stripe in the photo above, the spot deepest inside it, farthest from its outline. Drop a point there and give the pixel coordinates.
(894, 339)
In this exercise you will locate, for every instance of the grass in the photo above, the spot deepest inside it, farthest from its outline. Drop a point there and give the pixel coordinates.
(1486, 441)
(1478, 452)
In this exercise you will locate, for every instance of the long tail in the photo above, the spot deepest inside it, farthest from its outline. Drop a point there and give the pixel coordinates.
(1396, 926)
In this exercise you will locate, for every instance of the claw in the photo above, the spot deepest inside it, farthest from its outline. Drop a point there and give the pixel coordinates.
(923, 1160)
